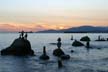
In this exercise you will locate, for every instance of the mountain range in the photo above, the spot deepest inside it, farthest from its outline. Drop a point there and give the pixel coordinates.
(81, 29)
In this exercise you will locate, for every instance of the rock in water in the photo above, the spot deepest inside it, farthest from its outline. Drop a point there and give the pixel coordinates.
(65, 57)
(72, 51)
(20, 47)
(85, 38)
(44, 56)
(77, 43)
(58, 52)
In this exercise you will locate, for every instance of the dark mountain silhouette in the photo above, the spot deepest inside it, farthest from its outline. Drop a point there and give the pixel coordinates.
(50, 31)
(86, 29)
(81, 29)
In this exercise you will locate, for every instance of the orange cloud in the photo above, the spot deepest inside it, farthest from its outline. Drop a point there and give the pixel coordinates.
(38, 27)
(53, 23)
(30, 27)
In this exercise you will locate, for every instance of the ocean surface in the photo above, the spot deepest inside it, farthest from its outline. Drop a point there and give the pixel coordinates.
(96, 60)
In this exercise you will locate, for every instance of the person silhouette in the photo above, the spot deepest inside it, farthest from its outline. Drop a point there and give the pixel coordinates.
(26, 35)
(22, 34)
(99, 37)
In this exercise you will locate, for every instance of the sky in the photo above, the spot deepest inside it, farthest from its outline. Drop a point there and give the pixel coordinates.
(36, 15)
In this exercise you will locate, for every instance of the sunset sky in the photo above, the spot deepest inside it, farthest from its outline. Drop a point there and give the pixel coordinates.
(35, 15)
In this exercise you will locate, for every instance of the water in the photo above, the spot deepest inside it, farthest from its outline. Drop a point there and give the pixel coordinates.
(81, 61)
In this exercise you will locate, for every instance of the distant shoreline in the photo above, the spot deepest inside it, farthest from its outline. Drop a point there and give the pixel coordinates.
(58, 32)
(71, 32)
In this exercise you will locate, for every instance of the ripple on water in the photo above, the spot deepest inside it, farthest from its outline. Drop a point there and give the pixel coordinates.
(87, 70)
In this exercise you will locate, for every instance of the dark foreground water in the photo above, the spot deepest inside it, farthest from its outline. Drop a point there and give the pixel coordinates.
(81, 61)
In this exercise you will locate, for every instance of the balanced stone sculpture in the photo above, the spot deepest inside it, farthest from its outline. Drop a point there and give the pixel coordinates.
(58, 52)
(44, 56)
(72, 37)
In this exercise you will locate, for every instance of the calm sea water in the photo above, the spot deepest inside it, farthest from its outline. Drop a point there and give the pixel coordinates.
(81, 61)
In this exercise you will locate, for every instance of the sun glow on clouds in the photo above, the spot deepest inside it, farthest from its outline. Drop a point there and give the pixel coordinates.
(31, 27)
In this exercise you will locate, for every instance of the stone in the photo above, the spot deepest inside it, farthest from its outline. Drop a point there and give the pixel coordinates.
(72, 51)
(65, 57)
(20, 47)
(44, 56)
(77, 43)
(58, 52)
(85, 38)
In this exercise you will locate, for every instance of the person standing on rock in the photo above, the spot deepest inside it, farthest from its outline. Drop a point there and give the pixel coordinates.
(26, 35)
(22, 34)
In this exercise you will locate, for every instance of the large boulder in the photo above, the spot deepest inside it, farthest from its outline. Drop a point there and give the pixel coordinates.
(85, 38)
(77, 43)
(65, 57)
(20, 47)
(58, 52)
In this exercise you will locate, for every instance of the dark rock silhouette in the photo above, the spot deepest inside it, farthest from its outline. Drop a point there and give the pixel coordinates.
(20, 47)
(65, 57)
(99, 48)
(44, 56)
(72, 51)
(107, 39)
(59, 42)
(58, 52)
(77, 43)
(85, 38)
